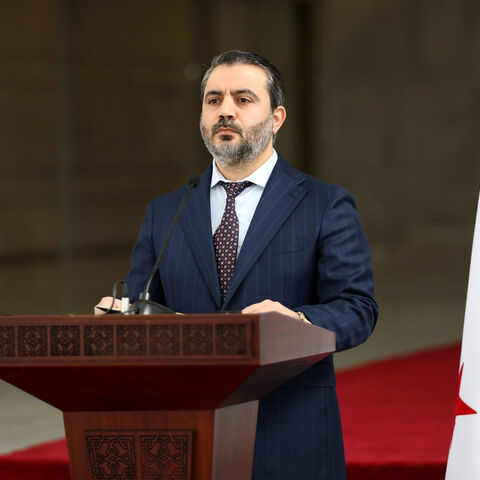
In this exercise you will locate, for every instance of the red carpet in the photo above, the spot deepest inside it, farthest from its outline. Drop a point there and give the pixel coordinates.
(397, 420)
(398, 416)
(47, 461)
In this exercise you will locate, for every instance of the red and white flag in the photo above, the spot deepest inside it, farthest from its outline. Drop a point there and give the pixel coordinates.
(464, 455)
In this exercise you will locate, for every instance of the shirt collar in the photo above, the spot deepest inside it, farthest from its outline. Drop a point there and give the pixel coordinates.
(259, 177)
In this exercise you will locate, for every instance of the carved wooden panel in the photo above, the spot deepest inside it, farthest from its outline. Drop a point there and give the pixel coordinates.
(197, 339)
(131, 340)
(231, 339)
(7, 341)
(140, 455)
(98, 340)
(65, 340)
(164, 339)
(125, 340)
(112, 457)
(166, 455)
(32, 341)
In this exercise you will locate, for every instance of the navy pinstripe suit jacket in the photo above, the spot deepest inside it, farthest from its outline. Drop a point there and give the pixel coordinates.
(306, 249)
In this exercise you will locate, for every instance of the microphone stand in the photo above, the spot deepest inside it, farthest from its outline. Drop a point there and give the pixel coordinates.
(145, 306)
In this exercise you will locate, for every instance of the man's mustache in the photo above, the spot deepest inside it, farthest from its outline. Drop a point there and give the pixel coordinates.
(226, 124)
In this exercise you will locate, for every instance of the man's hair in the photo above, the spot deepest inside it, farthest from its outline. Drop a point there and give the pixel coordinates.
(275, 84)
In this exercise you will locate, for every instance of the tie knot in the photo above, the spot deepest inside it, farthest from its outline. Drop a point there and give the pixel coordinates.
(234, 188)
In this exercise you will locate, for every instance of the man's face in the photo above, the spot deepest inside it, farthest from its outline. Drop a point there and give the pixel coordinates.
(237, 123)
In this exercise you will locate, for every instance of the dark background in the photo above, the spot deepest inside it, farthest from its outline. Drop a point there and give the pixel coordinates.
(99, 110)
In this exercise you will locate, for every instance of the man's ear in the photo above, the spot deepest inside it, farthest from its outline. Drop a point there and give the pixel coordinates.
(279, 115)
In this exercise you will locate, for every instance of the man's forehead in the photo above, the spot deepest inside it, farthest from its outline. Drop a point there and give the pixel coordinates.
(237, 77)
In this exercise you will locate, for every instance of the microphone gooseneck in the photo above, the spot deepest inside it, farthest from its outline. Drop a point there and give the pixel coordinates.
(144, 305)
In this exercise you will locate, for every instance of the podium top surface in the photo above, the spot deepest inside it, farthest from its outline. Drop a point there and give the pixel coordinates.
(157, 339)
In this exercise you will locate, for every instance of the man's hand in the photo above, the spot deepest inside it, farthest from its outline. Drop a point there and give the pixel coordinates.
(107, 303)
(270, 306)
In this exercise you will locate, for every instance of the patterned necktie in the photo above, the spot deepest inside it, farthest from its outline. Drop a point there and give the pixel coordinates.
(225, 239)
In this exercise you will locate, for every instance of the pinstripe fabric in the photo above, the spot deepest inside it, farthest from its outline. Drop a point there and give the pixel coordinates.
(305, 248)
(313, 449)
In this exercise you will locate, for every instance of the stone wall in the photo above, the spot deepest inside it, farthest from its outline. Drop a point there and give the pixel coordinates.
(99, 114)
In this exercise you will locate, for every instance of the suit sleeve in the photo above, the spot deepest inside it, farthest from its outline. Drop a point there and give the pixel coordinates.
(142, 260)
(344, 283)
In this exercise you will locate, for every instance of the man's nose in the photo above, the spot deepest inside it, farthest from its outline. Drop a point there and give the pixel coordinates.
(228, 108)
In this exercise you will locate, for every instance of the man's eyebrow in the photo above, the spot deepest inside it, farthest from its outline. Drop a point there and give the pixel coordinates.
(241, 91)
(246, 91)
(213, 92)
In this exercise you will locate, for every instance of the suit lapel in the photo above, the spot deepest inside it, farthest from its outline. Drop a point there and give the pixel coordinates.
(282, 194)
(197, 226)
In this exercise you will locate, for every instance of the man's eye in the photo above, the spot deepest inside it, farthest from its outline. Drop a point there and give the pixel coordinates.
(244, 100)
(213, 101)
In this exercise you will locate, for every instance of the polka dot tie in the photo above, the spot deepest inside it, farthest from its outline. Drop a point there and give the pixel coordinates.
(225, 238)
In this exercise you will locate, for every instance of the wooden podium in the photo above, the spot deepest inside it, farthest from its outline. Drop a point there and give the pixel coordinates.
(158, 397)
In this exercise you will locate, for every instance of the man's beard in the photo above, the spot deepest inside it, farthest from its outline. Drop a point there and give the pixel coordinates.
(246, 149)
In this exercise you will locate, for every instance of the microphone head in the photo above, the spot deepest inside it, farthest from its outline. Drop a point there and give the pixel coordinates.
(194, 180)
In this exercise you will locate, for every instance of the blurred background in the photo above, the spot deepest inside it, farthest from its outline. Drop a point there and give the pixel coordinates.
(99, 110)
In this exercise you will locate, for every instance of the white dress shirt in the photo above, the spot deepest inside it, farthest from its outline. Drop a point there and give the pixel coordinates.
(245, 203)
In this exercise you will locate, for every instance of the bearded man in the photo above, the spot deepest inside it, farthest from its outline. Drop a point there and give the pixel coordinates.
(258, 236)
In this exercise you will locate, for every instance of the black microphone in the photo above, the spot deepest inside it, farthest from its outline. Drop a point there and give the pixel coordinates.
(145, 306)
